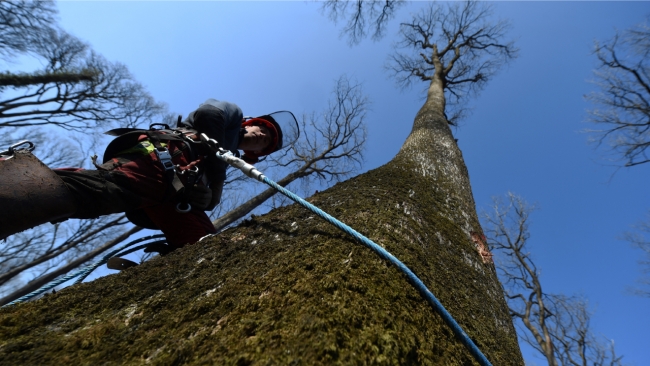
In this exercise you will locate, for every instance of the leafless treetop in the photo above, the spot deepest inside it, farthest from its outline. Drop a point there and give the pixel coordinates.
(112, 95)
(332, 145)
(623, 77)
(362, 16)
(457, 44)
(21, 23)
(555, 325)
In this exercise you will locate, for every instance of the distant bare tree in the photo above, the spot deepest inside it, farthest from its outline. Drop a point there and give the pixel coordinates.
(640, 238)
(111, 96)
(556, 326)
(362, 16)
(29, 249)
(56, 251)
(623, 77)
(330, 148)
(22, 24)
(455, 47)
(574, 341)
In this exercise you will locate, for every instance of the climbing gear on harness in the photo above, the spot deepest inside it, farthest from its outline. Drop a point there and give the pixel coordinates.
(8, 154)
(31, 194)
(156, 140)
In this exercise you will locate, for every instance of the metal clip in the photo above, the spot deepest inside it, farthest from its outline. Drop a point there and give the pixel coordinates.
(163, 125)
(212, 143)
(190, 171)
(165, 158)
(13, 147)
(182, 210)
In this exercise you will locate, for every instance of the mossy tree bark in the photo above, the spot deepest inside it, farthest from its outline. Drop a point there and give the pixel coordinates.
(288, 288)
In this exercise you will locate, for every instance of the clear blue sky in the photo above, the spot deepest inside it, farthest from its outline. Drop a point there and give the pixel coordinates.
(524, 134)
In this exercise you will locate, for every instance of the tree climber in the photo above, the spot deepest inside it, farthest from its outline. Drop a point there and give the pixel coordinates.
(161, 178)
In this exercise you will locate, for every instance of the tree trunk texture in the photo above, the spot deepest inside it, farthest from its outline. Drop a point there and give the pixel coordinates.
(288, 288)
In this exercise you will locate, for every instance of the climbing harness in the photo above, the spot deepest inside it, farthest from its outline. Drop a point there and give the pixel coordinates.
(158, 137)
(252, 172)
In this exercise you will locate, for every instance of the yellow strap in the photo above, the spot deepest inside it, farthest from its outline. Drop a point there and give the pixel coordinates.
(144, 147)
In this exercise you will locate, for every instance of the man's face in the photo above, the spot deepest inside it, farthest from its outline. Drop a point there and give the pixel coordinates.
(256, 139)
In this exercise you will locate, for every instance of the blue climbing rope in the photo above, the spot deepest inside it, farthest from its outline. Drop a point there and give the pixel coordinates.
(252, 172)
(84, 272)
(410, 276)
(93, 267)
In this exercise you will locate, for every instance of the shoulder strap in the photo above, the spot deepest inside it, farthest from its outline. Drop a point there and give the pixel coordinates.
(121, 131)
(128, 137)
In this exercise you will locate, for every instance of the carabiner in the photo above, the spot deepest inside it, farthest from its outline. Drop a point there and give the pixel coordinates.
(181, 210)
(212, 143)
(13, 147)
(164, 125)
(191, 170)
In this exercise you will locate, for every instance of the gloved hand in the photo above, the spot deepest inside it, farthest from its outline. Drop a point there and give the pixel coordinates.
(199, 197)
(159, 248)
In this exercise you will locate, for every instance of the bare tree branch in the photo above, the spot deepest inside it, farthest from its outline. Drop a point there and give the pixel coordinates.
(623, 77)
(557, 326)
(110, 96)
(455, 44)
(362, 16)
(24, 79)
(640, 238)
(22, 23)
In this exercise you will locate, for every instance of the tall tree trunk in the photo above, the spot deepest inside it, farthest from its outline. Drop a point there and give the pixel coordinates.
(288, 288)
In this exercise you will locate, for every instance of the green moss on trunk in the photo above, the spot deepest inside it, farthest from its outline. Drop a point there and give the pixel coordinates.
(289, 288)
(286, 288)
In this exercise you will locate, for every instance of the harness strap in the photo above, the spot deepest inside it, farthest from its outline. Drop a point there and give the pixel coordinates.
(165, 158)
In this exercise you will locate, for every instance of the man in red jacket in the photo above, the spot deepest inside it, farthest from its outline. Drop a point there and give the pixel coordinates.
(166, 179)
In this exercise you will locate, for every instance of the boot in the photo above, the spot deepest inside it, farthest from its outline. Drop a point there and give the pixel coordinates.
(120, 264)
(30, 194)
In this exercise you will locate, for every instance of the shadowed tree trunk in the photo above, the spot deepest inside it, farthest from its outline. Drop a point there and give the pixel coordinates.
(288, 287)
